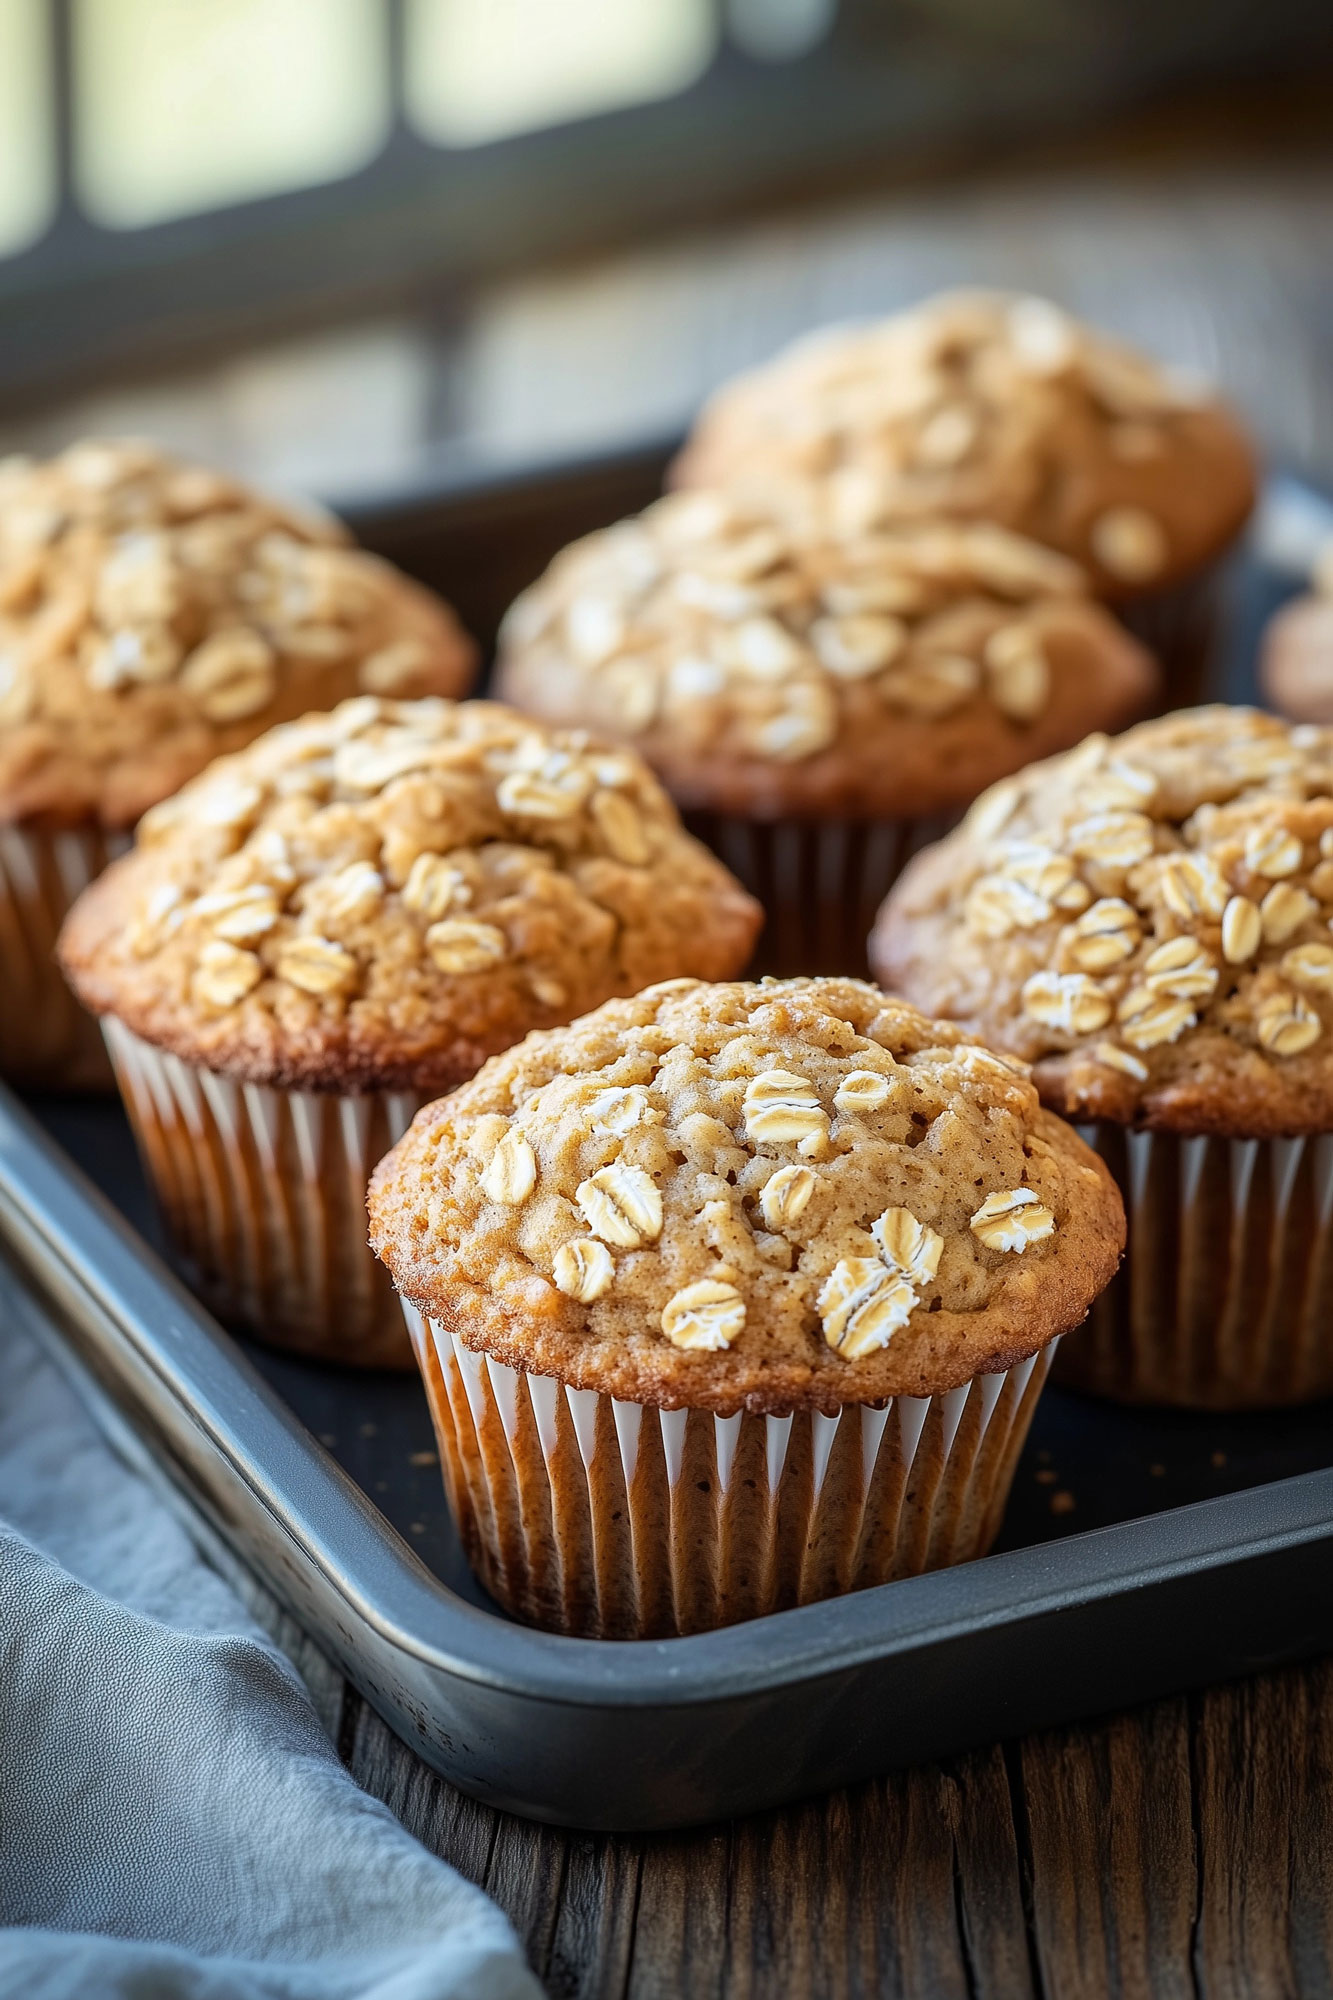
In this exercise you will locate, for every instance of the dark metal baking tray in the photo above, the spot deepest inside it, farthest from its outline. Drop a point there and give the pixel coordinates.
(1143, 1551)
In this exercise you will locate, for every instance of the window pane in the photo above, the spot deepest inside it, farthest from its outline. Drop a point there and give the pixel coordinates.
(182, 105)
(484, 69)
(779, 30)
(27, 160)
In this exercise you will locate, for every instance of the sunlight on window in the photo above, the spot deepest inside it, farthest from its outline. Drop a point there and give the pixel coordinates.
(779, 30)
(485, 69)
(27, 163)
(183, 105)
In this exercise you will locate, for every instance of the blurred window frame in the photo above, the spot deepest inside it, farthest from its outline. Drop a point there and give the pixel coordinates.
(884, 81)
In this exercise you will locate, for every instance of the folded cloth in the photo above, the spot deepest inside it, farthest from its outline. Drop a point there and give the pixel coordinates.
(173, 1819)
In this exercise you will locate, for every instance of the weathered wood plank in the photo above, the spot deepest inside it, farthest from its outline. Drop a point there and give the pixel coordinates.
(988, 1877)
(794, 1903)
(526, 1877)
(1262, 1768)
(680, 1932)
(1310, 1837)
(596, 1921)
(1110, 1835)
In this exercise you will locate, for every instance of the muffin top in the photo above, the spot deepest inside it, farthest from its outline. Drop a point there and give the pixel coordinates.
(154, 615)
(771, 664)
(994, 406)
(1148, 921)
(791, 1195)
(1296, 657)
(382, 897)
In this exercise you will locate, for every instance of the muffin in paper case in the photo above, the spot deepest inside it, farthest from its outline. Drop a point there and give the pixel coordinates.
(344, 919)
(731, 1298)
(1147, 921)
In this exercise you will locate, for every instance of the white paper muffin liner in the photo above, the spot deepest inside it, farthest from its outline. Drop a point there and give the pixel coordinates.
(1225, 1297)
(47, 1041)
(821, 882)
(608, 1519)
(264, 1194)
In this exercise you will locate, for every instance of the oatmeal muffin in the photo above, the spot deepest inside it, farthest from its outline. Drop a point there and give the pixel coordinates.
(1296, 656)
(348, 916)
(819, 703)
(154, 615)
(992, 406)
(1147, 921)
(729, 1298)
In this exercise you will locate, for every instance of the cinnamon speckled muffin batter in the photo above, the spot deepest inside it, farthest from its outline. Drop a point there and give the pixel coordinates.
(794, 1195)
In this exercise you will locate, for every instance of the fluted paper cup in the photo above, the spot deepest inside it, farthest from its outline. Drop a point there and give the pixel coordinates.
(47, 1041)
(264, 1194)
(821, 882)
(1225, 1298)
(609, 1519)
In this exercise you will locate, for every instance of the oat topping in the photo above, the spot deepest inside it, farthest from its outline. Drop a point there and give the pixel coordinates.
(1287, 1024)
(708, 1314)
(152, 614)
(640, 1165)
(1213, 910)
(621, 1205)
(781, 1108)
(863, 1090)
(583, 1269)
(714, 624)
(862, 1306)
(786, 1196)
(954, 409)
(512, 1173)
(1012, 1220)
(907, 1246)
(381, 861)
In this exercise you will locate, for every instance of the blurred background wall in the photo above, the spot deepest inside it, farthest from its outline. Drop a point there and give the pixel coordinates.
(358, 244)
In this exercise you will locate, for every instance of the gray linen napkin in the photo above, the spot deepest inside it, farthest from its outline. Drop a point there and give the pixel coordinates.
(173, 1820)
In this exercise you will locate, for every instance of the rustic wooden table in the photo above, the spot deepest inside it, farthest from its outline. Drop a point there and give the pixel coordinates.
(1185, 1849)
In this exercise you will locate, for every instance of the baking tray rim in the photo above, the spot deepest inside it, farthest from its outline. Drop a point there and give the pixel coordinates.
(70, 1243)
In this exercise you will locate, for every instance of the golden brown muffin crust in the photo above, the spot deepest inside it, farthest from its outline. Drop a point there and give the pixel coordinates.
(989, 405)
(154, 615)
(382, 897)
(768, 1197)
(1147, 920)
(776, 666)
